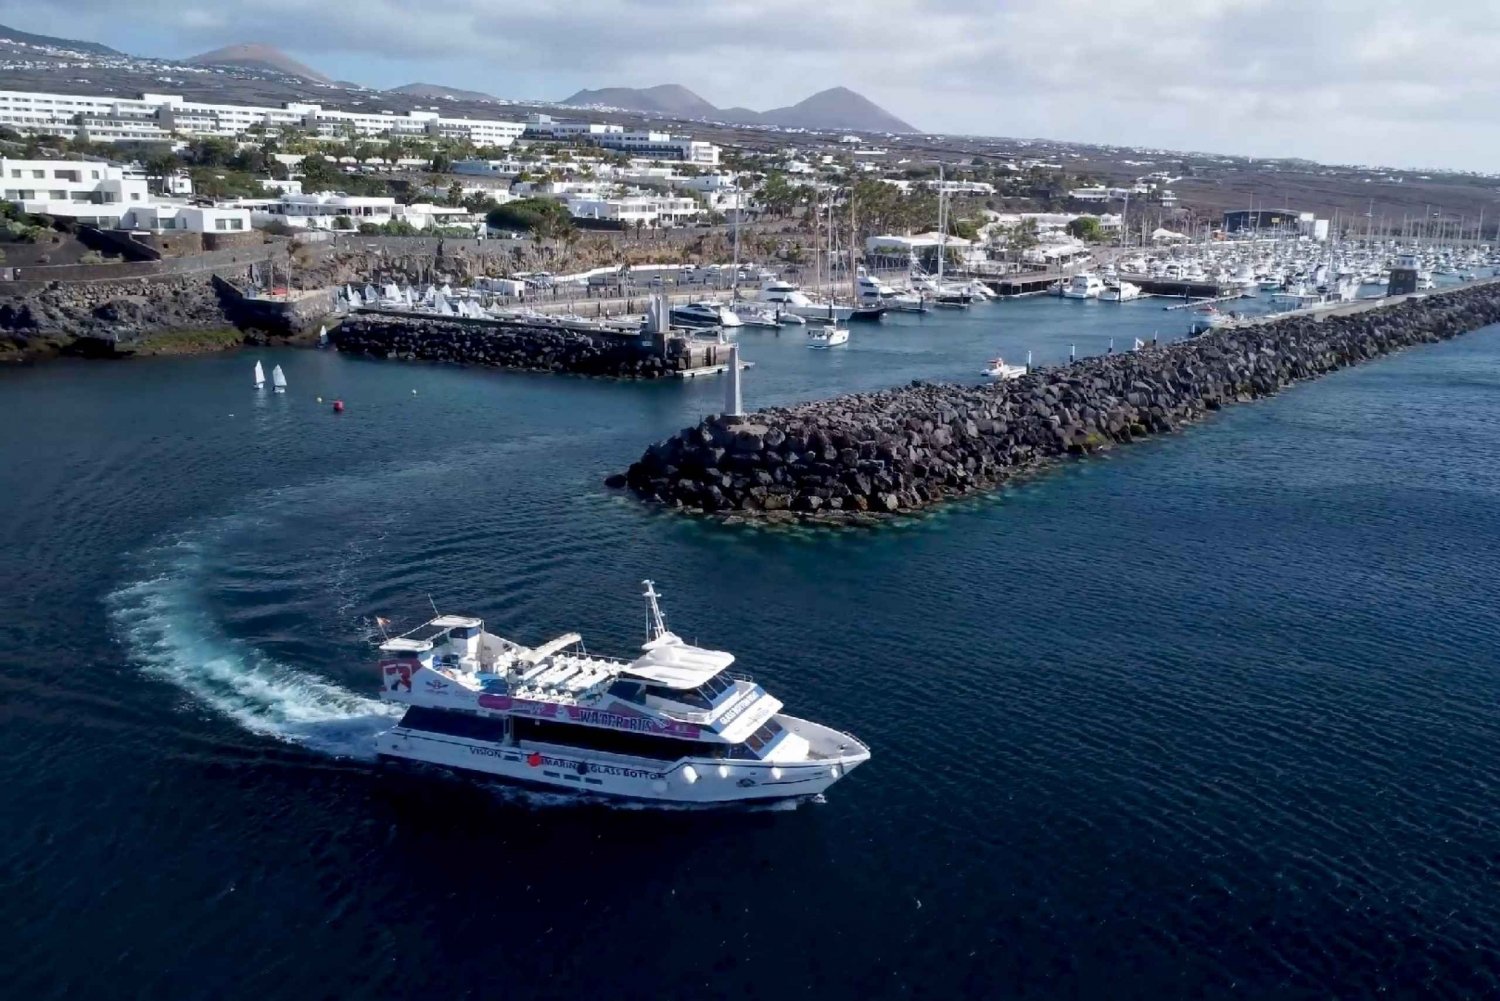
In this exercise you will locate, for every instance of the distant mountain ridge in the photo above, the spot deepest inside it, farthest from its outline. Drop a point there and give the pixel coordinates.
(8, 34)
(255, 56)
(437, 92)
(665, 99)
(835, 108)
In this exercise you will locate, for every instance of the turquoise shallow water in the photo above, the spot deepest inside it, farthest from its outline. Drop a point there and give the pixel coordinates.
(1214, 715)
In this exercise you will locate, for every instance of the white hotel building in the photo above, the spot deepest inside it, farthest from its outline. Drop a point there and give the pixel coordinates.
(158, 117)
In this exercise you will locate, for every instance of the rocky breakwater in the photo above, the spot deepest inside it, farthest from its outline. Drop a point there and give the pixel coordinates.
(529, 348)
(857, 457)
(107, 317)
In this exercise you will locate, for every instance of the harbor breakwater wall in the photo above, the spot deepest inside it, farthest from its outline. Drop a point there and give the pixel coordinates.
(856, 457)
(531, 348)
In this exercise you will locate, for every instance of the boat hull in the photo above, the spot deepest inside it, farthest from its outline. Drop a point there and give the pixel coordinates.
(692, 781)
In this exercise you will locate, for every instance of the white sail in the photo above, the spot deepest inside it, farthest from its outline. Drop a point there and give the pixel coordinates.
(278, 380)
(260, 377)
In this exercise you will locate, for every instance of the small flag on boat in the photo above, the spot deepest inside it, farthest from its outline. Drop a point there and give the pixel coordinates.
(382, 623)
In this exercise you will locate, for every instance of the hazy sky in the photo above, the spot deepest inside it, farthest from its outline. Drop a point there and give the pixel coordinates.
(1395, 82)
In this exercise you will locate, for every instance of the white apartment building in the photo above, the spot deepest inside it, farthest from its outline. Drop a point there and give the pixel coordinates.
(649, 145)
(322, 211)
(106, 195)
(160, 217)
(90, 191)
(651, 211)
(961, 187)
(1099, 194)
(159, 116)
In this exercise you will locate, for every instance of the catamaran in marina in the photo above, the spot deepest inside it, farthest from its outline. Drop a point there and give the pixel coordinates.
(674, 725)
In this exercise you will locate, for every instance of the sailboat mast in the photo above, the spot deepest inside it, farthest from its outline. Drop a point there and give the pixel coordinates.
(818, 251)
(942, 228)
(734, 276)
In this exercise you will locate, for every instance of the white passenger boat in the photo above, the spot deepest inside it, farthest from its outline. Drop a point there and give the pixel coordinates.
(673, 725)
(827, 336)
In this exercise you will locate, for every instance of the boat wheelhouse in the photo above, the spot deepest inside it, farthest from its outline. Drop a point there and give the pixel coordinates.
(672, 725)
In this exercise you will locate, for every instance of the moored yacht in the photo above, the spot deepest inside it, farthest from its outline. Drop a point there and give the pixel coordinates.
(871, 291)
(1084, 286)
(788, 298)
(1119, 291)
(704, 314)
(673, 725)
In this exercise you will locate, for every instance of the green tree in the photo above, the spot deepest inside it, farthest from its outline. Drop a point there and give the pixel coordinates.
(318, 173)
(211, 151)
(542, 217)
(160, 166)
(1085, 228)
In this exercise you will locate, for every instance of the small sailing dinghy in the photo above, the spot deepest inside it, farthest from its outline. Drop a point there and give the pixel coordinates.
(278, 380)
(260, 377)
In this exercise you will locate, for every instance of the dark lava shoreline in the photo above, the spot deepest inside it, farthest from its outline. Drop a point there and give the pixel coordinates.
(859, 457)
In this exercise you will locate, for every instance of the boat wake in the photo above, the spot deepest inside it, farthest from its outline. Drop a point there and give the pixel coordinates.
(168, 632)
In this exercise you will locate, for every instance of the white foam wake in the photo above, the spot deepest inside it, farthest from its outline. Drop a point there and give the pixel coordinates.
(166, 630)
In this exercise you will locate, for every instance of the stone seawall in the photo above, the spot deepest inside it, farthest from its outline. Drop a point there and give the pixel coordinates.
(853, 457)
(528, 348)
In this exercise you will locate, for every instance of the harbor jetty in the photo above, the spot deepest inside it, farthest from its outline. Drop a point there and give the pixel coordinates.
(531, 346)
(857, 457)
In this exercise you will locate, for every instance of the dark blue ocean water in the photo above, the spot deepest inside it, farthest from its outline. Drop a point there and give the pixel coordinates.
(1212, 716)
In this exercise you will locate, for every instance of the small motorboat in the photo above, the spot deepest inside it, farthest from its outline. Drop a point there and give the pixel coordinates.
(827, 336)
(998, 369)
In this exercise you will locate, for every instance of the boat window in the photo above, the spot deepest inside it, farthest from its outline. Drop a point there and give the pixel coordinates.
(628, 691)
(454, 724)
(706, 695)
(762, 738)
(635, 745)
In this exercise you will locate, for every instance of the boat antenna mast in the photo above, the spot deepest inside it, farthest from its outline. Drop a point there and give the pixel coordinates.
(658, 626)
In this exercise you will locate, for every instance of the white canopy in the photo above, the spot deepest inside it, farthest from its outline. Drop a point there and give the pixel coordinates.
(670, 662)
